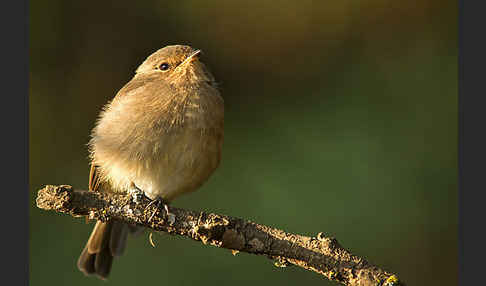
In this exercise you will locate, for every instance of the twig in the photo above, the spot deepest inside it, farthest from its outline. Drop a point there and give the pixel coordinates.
(320, 254)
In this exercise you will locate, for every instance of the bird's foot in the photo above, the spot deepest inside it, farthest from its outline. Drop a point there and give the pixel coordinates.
(159, 202)
(135, 193)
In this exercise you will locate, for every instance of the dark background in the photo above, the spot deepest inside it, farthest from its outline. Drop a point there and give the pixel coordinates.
(341, 117)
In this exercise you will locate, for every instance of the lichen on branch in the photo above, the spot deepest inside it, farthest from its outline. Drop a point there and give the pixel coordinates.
(320, 254)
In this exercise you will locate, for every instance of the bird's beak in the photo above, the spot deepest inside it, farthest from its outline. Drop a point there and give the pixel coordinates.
(191, 57)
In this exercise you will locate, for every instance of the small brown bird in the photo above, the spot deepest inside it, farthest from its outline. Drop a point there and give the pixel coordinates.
(162, 134)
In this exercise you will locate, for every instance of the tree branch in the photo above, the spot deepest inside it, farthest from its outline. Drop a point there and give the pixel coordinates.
(320, 254)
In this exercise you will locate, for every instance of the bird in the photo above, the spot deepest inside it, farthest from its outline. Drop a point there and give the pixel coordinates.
(162, 134)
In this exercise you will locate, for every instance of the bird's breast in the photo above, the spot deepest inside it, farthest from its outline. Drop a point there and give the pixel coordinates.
(166, 148)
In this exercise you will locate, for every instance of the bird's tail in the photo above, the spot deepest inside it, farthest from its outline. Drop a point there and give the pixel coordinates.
(107, 240)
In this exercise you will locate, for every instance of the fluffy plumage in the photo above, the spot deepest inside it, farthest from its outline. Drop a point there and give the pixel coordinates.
(163, 132)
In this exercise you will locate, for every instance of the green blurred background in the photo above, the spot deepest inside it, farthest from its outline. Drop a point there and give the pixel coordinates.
(341, 117)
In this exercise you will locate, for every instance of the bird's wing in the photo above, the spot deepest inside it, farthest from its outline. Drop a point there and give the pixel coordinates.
(94, 179)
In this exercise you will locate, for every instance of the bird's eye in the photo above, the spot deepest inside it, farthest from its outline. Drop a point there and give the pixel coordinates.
(164, 66)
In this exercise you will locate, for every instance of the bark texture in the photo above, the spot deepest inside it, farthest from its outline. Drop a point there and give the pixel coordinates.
(320, 254)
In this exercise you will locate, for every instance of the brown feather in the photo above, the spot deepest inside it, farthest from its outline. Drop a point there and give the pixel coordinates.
(99, 237)
(94, 179)
(103, 262)
(86, 262)
(118, 238)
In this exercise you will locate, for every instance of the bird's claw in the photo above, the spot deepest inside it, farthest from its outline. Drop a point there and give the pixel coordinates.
(135, 193)
(158, 202)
